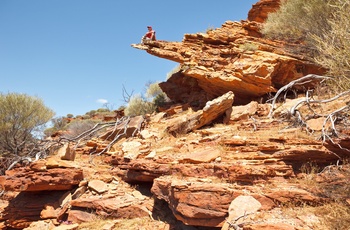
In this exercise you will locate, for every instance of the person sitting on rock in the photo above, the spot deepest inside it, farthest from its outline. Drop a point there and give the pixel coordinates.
(149, 36)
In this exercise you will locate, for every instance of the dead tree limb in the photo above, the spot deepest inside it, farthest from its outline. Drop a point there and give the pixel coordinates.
(39, 151)
(118, 135)
(307, 100)
(332, 119)
(301, 81)
(126, 96)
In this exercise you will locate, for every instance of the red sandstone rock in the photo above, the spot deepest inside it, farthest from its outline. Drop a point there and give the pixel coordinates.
(201, 156)
(261, 9)
(195, 203)
(117, 206)
(27, 207)
(240, 207)
(212, 110)
(231, 58)
(25, 179)
(76, 216)
(283, 195)
(98, 186)
(244, 112)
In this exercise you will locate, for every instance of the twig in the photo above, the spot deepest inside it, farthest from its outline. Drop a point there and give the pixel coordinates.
(238, 226)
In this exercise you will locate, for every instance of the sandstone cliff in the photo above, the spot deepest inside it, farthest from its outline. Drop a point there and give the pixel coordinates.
(234, 58)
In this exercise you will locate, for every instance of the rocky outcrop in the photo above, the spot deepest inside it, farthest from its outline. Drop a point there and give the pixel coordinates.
(247, 157)
(40, 191)
(233, 58)
(200, 164)
(261, 9)
(41, 176)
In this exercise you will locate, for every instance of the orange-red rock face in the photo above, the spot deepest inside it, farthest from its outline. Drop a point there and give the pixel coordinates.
(261, 9)
(234, 58)
(39, 177)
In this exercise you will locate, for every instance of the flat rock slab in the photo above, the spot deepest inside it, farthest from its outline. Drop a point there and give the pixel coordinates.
(201, 156)
(26, 179)
(98, 186)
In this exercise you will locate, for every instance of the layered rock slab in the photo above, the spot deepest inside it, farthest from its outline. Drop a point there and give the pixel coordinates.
(40, 177)
(233, 58)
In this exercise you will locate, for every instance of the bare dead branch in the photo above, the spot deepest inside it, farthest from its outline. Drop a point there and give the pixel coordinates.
(330, 167)
(308, 101)
(332, 120)
(126, 121)
(254, 124)
(301, 81)
(126, 96)
(238, 226)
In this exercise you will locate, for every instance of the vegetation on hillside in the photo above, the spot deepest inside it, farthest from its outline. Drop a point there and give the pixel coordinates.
(22, 118)
(323, 26)
(141, 105)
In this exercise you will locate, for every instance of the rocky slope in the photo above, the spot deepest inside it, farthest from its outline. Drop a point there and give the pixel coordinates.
(211, 160)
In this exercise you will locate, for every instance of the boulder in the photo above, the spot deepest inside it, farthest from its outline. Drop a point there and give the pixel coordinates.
(201, 156)
(212, 110)
(240, 207)
(28, 207)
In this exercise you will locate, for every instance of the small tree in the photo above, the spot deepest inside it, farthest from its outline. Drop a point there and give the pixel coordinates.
(156, 94)
(58, 123)
(334, 45)
(21, 116)
(139, 106)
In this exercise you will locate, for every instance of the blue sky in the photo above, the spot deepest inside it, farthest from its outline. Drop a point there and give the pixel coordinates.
(76, 54)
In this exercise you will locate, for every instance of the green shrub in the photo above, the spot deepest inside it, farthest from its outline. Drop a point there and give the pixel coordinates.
(160, 99)
(298, 19)
(69, 115)
(102, 110)
(324, 26)
(122, 107)
(77, 127)
(156, 94)
(91, 113)
(153, 90)
(334, 45)
(86, 116)
(22, 119)
(58, 123)
(209, 29)
(139, 106)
